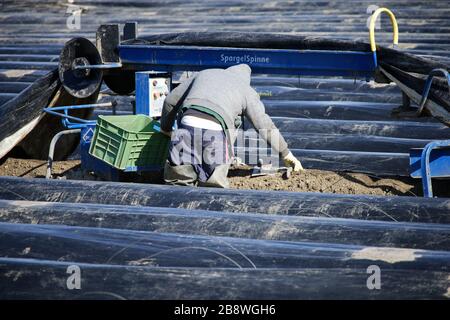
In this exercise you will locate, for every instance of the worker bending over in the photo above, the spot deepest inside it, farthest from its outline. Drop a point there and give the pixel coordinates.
(208, 109)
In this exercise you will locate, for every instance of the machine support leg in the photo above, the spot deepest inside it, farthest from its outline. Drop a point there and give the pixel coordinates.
(425, 165)
(405, 109)
(426, 173)
(51, 150)
(406, 101)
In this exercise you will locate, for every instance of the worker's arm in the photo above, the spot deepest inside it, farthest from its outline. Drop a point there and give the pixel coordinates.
(172, 104)
(257, 115)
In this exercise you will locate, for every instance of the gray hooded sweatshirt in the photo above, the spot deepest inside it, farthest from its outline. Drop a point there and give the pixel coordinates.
(229, 94)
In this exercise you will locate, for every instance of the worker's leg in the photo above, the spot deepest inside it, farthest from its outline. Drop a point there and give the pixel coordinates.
(183, 175)
(214, 168)
(179, 169)
(197, 155)
(218, 179)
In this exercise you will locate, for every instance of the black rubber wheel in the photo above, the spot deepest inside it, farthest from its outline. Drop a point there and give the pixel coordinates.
(80, 83)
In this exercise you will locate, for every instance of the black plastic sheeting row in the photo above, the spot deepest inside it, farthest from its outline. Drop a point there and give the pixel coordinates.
(249, 225)
(394, 209)
(26, 107)
(405, 209)
(388, 129)
(27, 278)
(143, 248)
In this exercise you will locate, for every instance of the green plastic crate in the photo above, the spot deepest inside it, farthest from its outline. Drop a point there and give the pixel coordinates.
(129, 141)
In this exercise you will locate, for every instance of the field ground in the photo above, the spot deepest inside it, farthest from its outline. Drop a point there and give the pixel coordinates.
(240, 178)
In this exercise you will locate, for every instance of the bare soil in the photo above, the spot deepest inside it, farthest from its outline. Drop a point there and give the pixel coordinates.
(36, 168)
(323, 181)
(240, 178)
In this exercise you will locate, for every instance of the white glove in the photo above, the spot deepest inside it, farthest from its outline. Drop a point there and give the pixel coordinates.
(291, 161)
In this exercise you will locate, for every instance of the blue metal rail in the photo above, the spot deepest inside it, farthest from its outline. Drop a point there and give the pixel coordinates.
(295, 62)
(76, 123)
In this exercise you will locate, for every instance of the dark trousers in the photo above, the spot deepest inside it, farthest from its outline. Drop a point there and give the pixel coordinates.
(197, 156)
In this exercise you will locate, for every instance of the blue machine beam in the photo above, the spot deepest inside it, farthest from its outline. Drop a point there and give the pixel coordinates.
(296, 62)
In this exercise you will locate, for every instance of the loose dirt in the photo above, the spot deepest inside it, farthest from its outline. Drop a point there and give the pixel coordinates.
(323, 181)
(37, 168)
(240, 178)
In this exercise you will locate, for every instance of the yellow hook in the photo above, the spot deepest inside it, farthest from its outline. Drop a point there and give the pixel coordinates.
(373, 19)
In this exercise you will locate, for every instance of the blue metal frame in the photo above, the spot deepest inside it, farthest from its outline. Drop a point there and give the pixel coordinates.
(79, 123)
(430, 162)
(90, 163)
(142, 93)
(270, 61)
(425, 165)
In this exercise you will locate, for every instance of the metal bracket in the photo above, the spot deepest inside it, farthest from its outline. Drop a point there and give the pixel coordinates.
(107, 41)
(98, 66)
(428, 84)
(51, 151)
(262, 169)
(405, 110)
(130, 31)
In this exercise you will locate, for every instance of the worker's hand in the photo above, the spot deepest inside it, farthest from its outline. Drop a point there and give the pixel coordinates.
(291, 161)
(167, 133)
